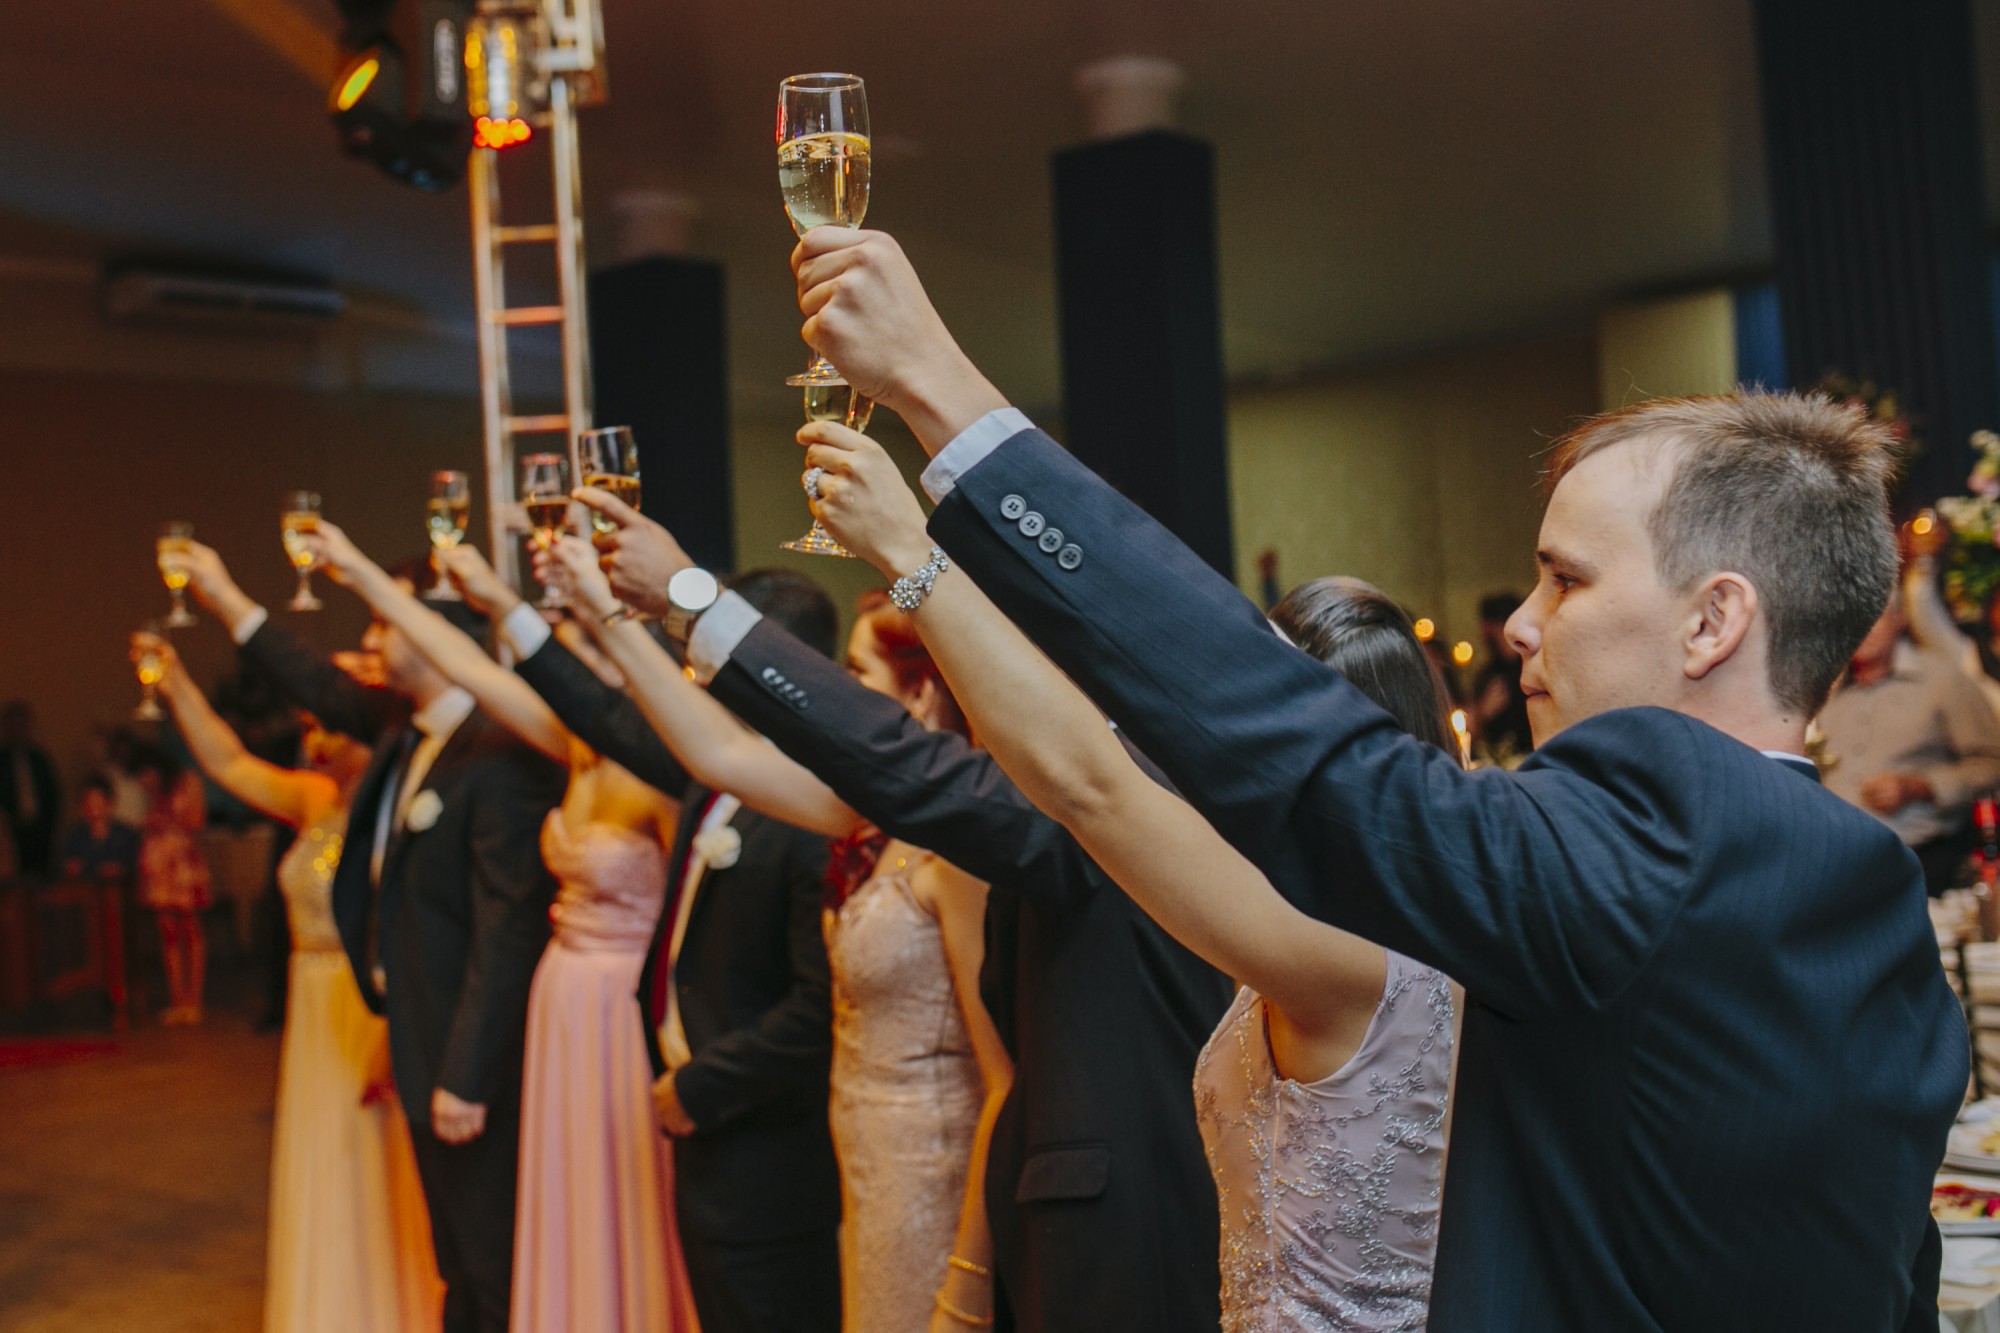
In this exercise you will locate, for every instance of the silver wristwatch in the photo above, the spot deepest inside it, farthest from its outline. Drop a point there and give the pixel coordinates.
(689, 593)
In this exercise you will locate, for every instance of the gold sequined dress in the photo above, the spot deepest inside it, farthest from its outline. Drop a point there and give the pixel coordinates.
(349, 1242)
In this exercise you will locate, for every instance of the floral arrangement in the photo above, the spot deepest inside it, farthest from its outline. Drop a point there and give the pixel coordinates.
(1972, 555)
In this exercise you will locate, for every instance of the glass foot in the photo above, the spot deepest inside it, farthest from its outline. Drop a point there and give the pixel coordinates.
(818, 541)
(304, 601)
(148, 711)
(179, 618)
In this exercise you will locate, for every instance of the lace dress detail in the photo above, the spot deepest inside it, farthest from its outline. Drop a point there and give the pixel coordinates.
(906, 1099)
(1329, 1191)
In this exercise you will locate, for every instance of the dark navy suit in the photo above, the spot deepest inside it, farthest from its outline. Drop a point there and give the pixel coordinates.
(1710, 1057)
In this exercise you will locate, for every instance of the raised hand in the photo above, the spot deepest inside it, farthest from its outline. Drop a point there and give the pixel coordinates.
(864, 501)
(145, 642)
(867, 313)
(582, 582)
(212, 586)
(338, 555)
(484, 590)
(639, 557)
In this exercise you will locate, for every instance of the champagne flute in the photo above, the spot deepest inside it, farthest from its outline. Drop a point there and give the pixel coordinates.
(152, 670)
(445, 515)
(545, 495)
(301, 516)
(609, 458)
(823, 173)
(172, 553)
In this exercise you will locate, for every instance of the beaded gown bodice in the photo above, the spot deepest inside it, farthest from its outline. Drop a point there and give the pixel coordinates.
(1329, 1190)
(305, 878)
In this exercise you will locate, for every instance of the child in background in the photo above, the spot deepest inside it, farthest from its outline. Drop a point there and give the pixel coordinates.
(98, 846)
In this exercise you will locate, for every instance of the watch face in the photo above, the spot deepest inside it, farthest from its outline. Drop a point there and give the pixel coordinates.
(693, 590)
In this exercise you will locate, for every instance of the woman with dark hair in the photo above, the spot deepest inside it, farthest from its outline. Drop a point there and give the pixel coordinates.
(919, 1071)
(1322, 1094)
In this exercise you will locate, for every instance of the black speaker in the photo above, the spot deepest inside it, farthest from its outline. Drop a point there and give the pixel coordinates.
(659, 364)
(1137, 286)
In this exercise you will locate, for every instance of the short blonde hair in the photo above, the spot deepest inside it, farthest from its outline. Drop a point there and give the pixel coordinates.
(1789, 490)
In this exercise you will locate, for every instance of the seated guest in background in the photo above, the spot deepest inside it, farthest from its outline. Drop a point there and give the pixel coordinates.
(174, 879)
(734, 996)
(348, 1245)
(1710, 1056)
(98, 846)
(1097, 1192)
(443, 915)
(1911, 740)
(29, 796)
(1499, 706)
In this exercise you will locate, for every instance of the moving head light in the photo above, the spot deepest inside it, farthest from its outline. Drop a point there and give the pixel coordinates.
(399, 101)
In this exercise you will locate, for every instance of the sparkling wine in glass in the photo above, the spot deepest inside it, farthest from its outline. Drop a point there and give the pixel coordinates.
(445, 515)
(176, 540)
(609, 457)
(151, 670)
(300, 517)
(823, 174)
(545, 495)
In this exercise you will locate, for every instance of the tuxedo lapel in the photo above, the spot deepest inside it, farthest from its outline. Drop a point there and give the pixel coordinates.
(442, 778)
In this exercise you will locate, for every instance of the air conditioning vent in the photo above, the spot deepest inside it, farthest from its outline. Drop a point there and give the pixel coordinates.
(217, 300)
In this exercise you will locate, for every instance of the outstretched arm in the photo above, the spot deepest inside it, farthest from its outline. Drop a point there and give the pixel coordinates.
(1053, 742)
(499, 691)
(719, 751)
(291, 796)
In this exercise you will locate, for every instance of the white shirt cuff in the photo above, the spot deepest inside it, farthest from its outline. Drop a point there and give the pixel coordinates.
(525, 630)
(717, 633)
(966, 452)
(252, 621)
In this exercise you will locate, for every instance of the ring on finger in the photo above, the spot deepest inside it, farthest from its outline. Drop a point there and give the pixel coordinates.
(811, 481)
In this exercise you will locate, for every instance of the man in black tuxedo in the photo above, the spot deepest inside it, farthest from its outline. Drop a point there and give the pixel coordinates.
(1709, 1058)
(443, 903)
(29, 796)
(742, 1053)
(1098, 1192)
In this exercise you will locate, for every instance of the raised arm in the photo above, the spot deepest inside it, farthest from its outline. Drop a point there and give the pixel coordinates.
(456, 654)
(718, 749)
(292, 796)
(1053, 742)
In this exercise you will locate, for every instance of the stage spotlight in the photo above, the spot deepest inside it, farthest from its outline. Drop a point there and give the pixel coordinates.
(507, 86)
(400, 100)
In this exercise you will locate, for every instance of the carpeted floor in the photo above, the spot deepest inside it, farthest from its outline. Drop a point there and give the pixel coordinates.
(132, 1181)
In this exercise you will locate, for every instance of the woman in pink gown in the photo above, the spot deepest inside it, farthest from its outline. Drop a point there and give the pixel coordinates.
(595, 1244)
(349, 1241)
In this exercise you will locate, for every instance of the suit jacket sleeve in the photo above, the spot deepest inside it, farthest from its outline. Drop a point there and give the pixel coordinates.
(510, 892)
(782, 1058)
(605, 719)
(1539, 891)
(339, 701)
(929, 788)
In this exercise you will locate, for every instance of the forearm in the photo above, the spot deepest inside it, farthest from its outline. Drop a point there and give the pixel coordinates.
(221, 754)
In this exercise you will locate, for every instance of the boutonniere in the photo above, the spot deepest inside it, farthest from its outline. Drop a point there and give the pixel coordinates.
(425, 807)
(718, 848)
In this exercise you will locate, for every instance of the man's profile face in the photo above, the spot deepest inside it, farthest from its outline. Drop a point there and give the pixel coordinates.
(402, 664)
(1600, 631)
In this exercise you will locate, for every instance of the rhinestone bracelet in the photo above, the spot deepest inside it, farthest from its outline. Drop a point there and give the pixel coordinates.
(909, 591)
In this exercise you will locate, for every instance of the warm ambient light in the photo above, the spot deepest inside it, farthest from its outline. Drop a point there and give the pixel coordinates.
(1461, 727)
(1461, 653)
(490, 133)
(1923, 523)
(1425, 630)
(356, 83)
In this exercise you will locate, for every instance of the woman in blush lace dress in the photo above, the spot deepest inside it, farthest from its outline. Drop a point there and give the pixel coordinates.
(350, 1244)
(919, 1072)
(1322, 1094)
(595, 1243)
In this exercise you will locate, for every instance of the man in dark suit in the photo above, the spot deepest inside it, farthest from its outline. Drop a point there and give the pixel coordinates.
(1098, 1193)
(1709, 1057)
(442, 901)
(742, 1051)
(29, 796)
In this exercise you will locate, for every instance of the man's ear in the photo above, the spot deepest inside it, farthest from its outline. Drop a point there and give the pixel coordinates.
(1719, 620)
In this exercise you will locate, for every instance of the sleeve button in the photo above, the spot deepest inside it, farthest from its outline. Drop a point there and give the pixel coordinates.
(1013, 507)
(1032, 524)
(1050, 541)
(1070, 557)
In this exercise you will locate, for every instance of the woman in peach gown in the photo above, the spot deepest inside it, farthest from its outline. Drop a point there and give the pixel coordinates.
(595, 1243)
(349, 1242)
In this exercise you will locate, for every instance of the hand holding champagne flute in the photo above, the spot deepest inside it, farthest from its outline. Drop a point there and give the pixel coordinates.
(545, 495)
(299, 520)
(172, 551)
(149, 657)
(445, 515)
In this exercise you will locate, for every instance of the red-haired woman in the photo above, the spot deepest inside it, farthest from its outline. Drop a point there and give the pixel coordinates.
(919, 1071)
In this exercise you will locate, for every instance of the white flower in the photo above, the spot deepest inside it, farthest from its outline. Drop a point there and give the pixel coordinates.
(718, 847)
(425, 807)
